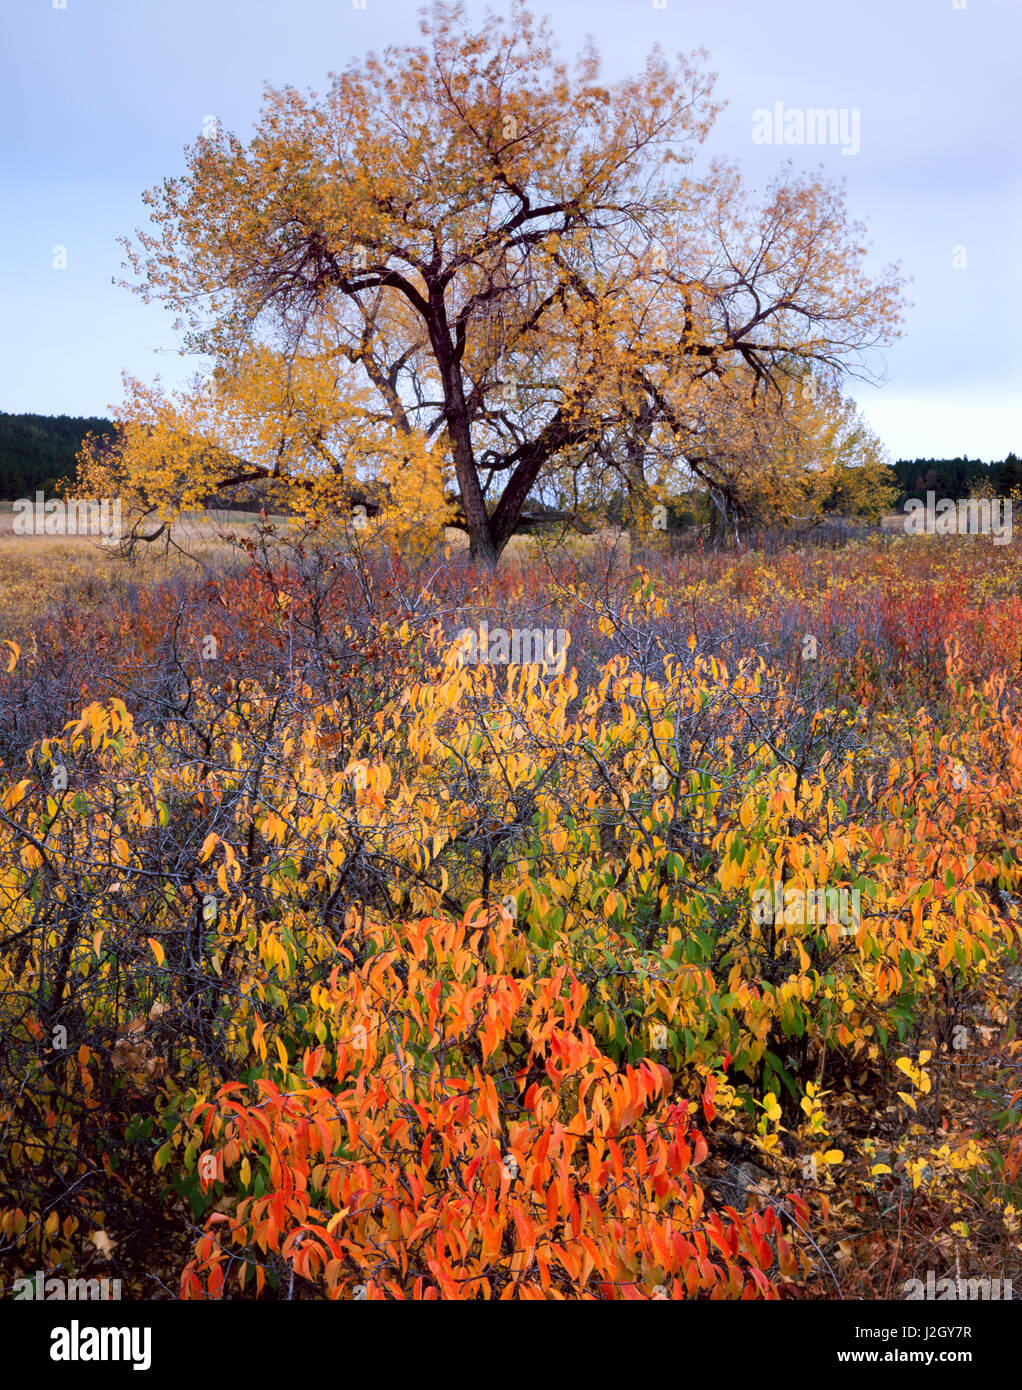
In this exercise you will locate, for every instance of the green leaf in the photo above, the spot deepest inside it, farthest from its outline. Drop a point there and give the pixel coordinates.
(777, 1067)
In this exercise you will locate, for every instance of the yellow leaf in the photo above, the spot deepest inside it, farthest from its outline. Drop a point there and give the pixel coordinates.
(16, 794)
(879, 1168)
(15, 654)
(157, 950)
(96, 942)
(208, 845)
(833, 1156)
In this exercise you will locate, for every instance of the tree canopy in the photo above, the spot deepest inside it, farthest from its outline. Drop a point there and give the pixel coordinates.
(473, 269)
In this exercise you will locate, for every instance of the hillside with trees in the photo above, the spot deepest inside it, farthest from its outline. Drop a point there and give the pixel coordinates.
(39, 451)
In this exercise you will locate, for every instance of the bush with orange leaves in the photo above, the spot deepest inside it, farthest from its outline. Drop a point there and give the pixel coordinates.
(472, 1142)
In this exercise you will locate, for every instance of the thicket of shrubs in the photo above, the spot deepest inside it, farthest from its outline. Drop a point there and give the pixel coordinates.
(334, 966)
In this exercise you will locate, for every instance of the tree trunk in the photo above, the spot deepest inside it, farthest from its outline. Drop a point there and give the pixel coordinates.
(481, 547)
(480, 532)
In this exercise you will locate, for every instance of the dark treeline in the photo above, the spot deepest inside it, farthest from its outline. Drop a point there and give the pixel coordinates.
(954, 478)
(38, 451)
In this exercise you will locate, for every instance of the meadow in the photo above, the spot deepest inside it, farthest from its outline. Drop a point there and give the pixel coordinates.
(335, 965)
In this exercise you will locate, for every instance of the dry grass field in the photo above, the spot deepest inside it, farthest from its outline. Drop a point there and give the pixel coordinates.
(37, 572)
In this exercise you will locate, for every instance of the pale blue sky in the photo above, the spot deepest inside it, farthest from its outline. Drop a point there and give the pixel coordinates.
(98, 100)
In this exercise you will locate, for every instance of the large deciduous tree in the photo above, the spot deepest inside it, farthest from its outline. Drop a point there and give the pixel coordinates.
(468, 258)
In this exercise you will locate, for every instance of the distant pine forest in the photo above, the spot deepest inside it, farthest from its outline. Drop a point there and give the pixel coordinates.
(38, 452)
